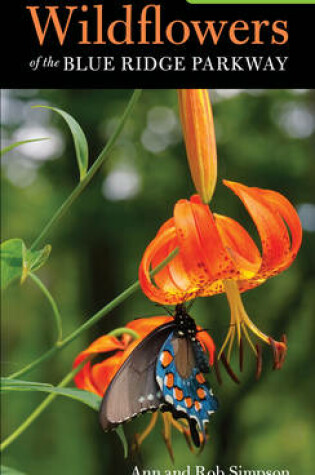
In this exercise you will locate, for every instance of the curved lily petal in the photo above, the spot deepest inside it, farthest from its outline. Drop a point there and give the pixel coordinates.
(240, 246)
(273, 215)
(279, 204)
(102, 373)
(172, 276)
(144, 326)
(104, 344)
(158, 246)
(201, 247)
(207, 343)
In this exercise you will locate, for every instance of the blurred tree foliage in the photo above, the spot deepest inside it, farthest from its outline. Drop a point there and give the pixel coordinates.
(265, 139)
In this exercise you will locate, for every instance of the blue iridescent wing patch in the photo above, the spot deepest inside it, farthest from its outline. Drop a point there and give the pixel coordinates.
(188, 394)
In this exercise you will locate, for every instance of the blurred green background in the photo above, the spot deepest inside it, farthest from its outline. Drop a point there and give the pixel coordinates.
(265, 138)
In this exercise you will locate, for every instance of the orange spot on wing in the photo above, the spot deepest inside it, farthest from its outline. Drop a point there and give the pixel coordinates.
(200, 378)
(201, 393)
(188, 402)
(169, 380)
(178, 394)
(197, 405)
(166, 358)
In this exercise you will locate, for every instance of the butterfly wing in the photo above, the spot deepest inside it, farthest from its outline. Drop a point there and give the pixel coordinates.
(183, 385)
(134, 389)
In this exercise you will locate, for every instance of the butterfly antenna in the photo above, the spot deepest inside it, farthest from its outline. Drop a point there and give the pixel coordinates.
(211, 329)
(189, 305)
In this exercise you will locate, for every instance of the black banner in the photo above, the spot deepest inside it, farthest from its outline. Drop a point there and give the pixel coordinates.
(171, 44)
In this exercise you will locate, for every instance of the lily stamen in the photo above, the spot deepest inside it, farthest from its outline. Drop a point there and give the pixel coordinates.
(240, 323)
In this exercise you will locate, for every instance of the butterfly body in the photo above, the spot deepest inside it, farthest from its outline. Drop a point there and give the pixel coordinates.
(163, 372)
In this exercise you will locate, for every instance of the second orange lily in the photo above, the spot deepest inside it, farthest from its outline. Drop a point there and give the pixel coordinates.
(113, 351)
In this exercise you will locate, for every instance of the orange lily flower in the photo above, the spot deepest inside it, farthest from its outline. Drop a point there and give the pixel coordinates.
(97, 377)
(198, 129)
(216, 255)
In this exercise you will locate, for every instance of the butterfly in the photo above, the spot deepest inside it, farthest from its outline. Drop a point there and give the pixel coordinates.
(165, 372)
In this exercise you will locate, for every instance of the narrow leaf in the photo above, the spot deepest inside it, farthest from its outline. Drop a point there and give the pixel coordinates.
(90, 399)
(6, 382)
(17, 144)
(121, 434)
(80, 142)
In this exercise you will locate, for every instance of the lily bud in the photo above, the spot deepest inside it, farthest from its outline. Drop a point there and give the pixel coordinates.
(198, 130)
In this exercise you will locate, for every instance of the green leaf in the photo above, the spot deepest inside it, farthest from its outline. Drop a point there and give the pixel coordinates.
(80, 142)
(90, 399)
(11, 254)
(10, 471)
(17, 144)
(17, 261)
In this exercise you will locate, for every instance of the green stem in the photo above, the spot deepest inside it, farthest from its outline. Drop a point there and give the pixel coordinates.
(101, 313)
(58, 321)
(39, 409)
(94, 319)
(114, 303)
(90, 174)
(52, 302)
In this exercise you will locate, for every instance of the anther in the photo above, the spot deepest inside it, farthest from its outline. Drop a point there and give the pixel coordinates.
(284, 350)
(217, 370)
(228, 368)
(275, 353)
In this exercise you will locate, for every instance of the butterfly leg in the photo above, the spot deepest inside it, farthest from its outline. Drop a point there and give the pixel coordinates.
(167, 433)
(148, 429)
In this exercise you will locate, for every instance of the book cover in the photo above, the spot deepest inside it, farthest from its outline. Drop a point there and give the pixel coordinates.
(157, 238)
